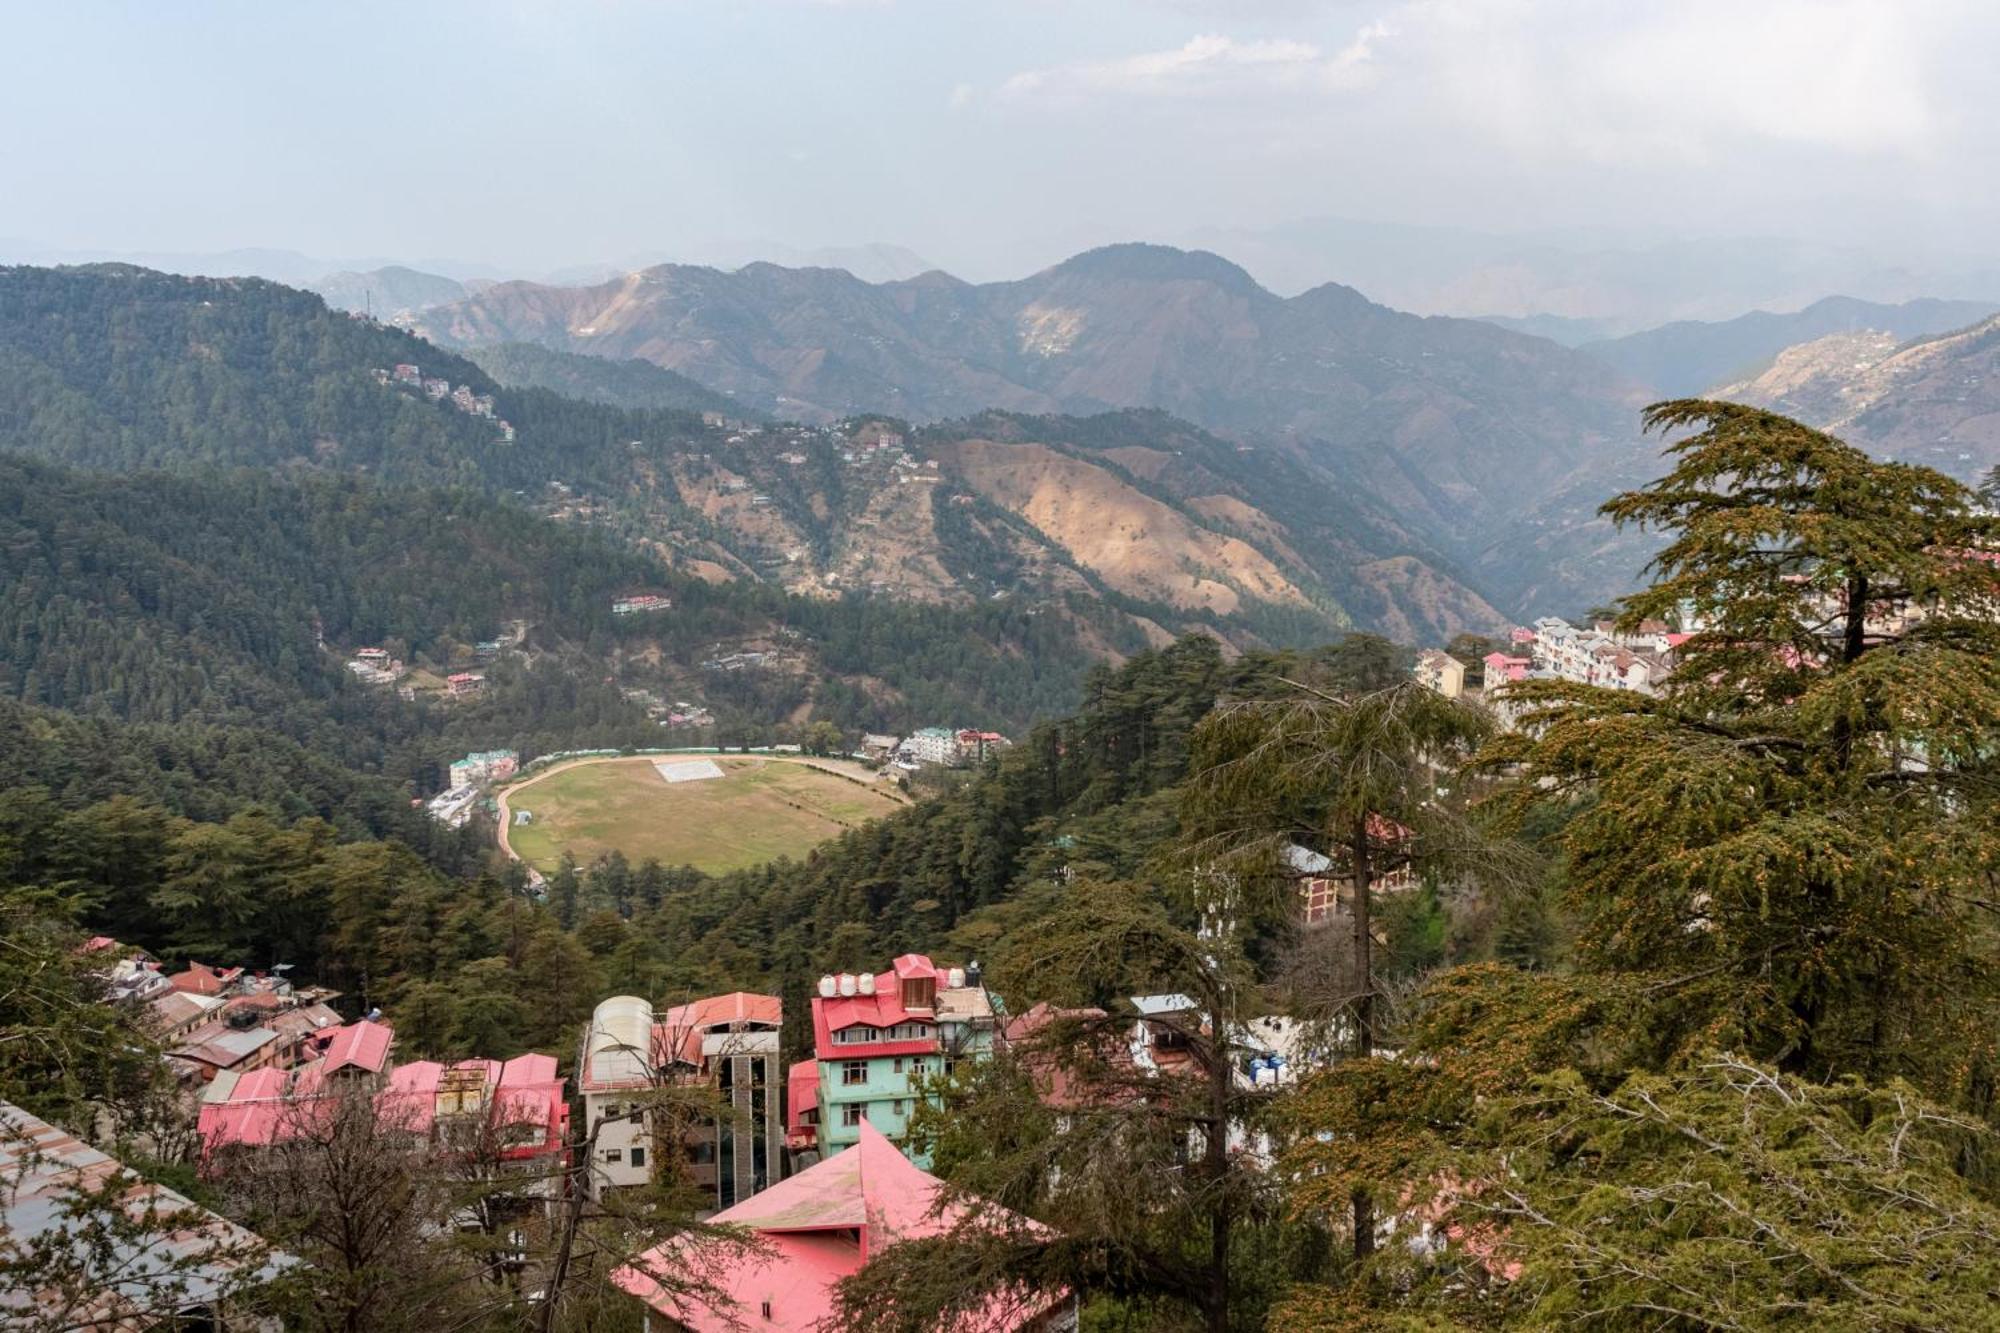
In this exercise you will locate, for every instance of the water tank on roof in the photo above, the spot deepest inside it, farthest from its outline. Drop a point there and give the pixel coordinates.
(955, 978)
(865, 983)
(848, 985)
(828, 985)
(972, 973)
(621, 1034)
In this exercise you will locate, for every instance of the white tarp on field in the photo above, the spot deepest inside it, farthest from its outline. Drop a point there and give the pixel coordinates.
(687, 770)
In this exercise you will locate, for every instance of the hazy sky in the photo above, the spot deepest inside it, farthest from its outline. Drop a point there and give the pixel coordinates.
(989, 135)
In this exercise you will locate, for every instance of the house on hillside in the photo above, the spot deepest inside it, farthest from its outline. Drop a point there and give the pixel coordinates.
(875, 1034)
(813, 1230)
(1326, 883)
(462, 683)
(508, 1118)
(1440, 672)
(727, 1043)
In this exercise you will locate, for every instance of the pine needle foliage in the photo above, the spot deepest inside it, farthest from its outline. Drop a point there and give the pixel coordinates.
(1803, 820)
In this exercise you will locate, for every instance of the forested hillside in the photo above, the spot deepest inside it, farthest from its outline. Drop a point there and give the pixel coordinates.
(631, 383)
(116, 367)
(233, 600)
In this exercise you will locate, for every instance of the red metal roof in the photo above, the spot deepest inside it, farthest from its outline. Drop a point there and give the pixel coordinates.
(361, 1045)
(677, 1034)
(883, 1009)
(801, 1096)
(804, 1223)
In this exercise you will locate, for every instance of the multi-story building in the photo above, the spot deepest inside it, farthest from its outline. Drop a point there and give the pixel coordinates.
(875, 1036)
(1441, 673)
(484, 766)
(929, 745)
(727, 1042)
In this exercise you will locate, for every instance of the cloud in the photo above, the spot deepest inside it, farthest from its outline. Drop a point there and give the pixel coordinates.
(1208, 64)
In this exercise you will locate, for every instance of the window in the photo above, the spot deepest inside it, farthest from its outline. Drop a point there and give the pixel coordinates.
(614, 1154)
(853, 1072)
(638, 1157)
(850, 1114)
(899, 1064)
(902, 1108)
(918, 1067)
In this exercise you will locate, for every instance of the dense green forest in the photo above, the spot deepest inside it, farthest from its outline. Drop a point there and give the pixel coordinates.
(596, 379)
(232, 599)
(118, 367)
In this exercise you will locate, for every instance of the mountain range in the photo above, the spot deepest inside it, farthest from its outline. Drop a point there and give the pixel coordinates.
(1125, 528)
(1494, 447)
(1933, 400)
(1690, 357)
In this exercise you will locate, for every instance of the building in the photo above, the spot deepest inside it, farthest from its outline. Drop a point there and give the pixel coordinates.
(510, 1116)
(974, 746)
(1441, 673)
(877, 748)
(727, 1042)
(483, 767)
(929, 745)
(194, 1269)
(640, 604)
(407, 373)
(461, 683)
(813, 1230)
(1326, 884)
(802, 1113)
(453, 807)
(876, 1036)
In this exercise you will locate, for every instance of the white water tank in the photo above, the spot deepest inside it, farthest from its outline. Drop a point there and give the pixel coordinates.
(847, 983)
(827, 986)
(955, 978)
(865, 983)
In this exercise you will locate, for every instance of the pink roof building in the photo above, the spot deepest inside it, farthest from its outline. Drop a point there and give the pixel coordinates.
(802, 1106)
(515, 1110)
(1501, 669)
(362, 1046)
(816, 1228)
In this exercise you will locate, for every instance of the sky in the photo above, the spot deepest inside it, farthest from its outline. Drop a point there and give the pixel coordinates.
(989, 136)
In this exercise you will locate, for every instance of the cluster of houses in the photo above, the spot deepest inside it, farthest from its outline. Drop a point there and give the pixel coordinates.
(933, 747)
(374, 666)
(471, 778)
(812, 1159)
(640, 604)
(1553, 649)
(218, 1023)
(681, 713)
(407, 375)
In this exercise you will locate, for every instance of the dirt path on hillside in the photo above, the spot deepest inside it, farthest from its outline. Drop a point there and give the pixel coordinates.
(503, 799)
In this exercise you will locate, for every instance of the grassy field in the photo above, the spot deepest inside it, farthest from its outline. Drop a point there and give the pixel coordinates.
(760, 809)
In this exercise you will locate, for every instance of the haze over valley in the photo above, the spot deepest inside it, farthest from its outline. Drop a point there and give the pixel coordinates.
(871, 666)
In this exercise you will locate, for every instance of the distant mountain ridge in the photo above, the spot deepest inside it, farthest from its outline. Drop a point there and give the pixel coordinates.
(1130, 527)
(1690, 357)
(1493, 445)
(1933, 400)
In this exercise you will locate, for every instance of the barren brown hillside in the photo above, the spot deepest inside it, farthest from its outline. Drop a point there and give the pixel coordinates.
(1134, 543)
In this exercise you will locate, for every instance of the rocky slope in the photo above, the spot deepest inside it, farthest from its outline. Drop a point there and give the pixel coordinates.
(1482, 440)
(1933, 400)
(1680, 359)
